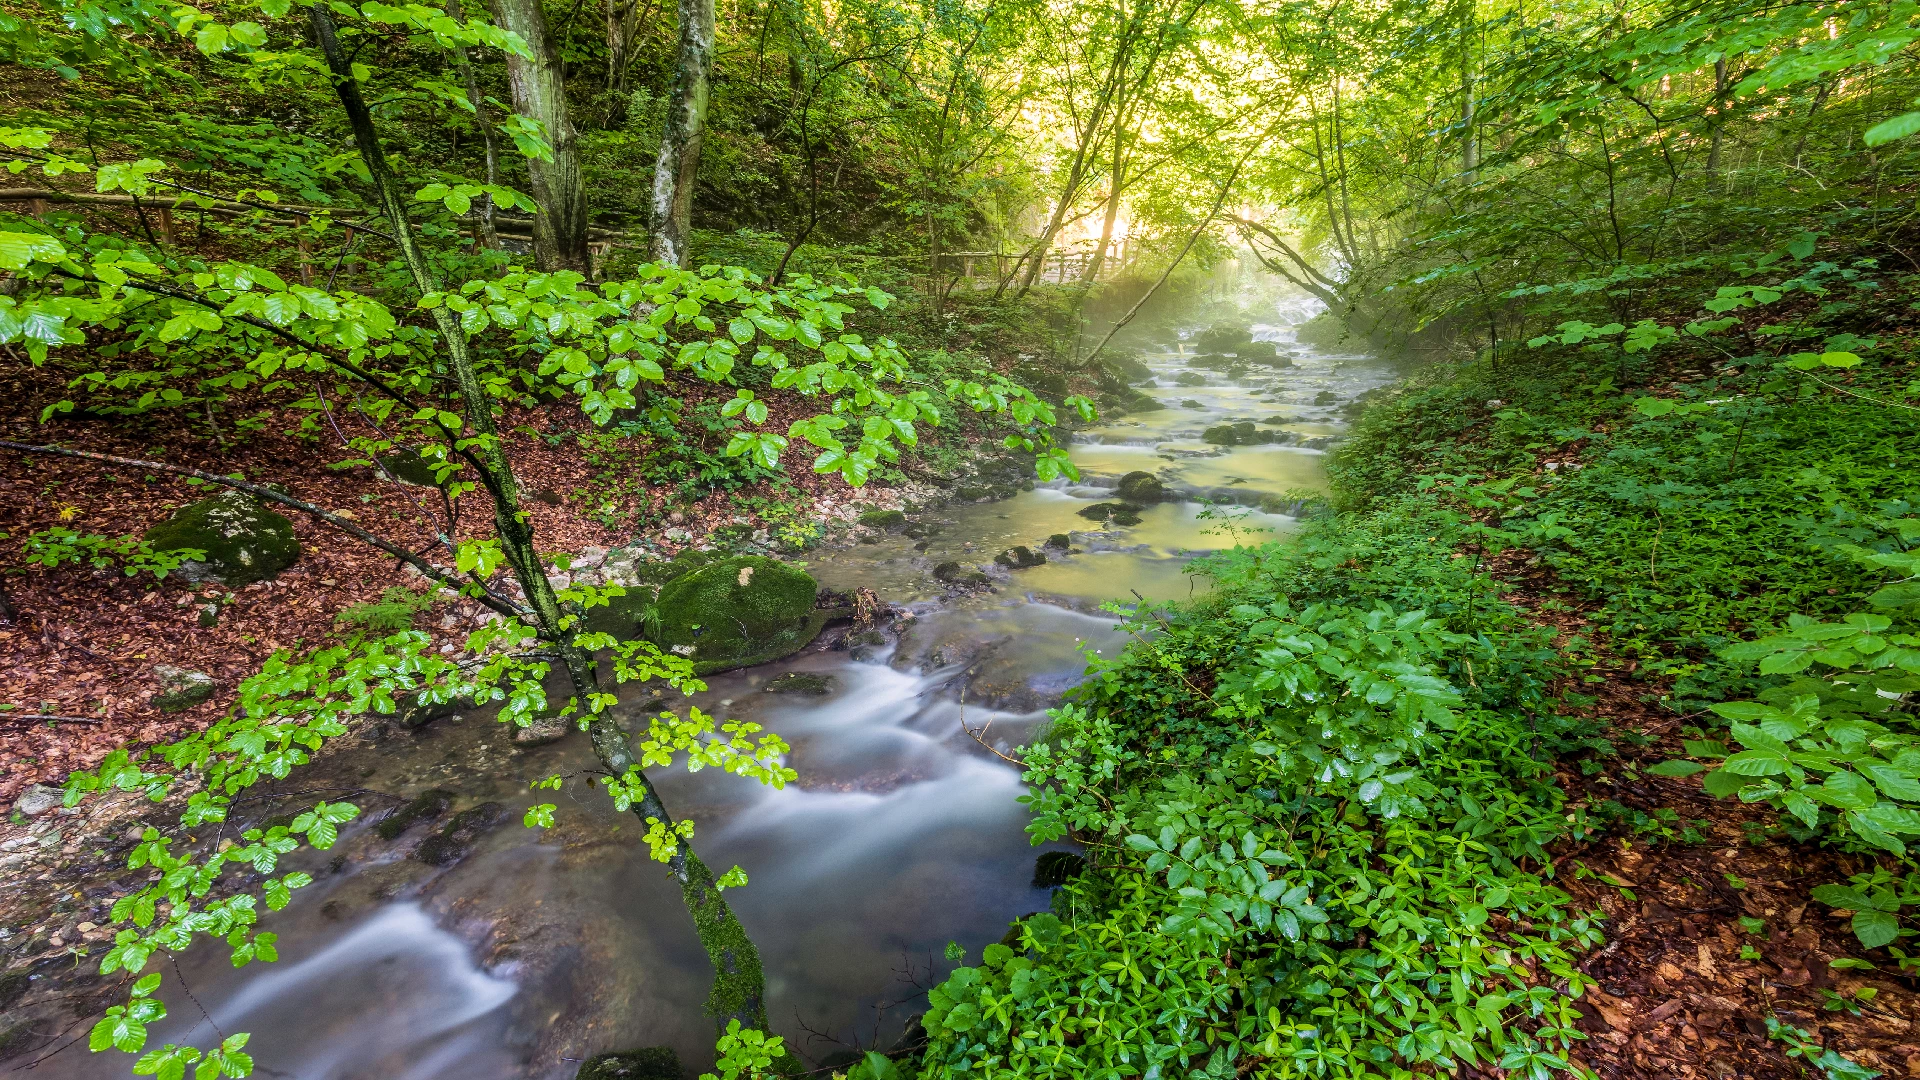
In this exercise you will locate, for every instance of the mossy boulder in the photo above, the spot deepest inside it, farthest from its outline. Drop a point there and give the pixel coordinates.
(408, 467)
(1126, 366)
(180, 689)
(1141, 487)
(1212, 362)
(1019, 557)
(1326, 397)
(425, 806)
(1114, 513)
(1241, 434)
(1059, 541)
(244, 541)
(883, 519)
(1224, 338)
(646, 1063)
(733, 612)
(960, 574)
(1190, 378)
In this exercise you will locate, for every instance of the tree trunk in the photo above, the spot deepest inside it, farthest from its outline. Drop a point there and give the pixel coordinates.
(483, 234)
(1115, 178)
(539, 92)
(1713, 147)
(678, 166)
(738, 985)
(623, 26)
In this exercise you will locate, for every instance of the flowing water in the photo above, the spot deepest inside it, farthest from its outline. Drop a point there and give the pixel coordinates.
(541, 948)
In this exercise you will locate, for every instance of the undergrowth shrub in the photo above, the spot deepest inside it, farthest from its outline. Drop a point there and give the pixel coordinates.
(1315, 811)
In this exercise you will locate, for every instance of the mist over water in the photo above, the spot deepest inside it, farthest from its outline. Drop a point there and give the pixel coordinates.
(901, 834)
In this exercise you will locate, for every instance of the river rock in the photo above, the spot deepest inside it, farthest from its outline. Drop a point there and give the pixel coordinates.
(1223, 338)
(37, 799)
(420, 707)
(1019, 557)
(646, 1063)
(799, 682)
(425, 806)
(1118, 513)
(1240, 434)
(545, 728)
(180, 689)
(1059, 542)
(1189, 403)
(1325, 397)
(883, 519)
(408, 466)
(734, 612)
(1212, 362)
(452, 843)
(1190, 378)
(1141, 487)
(954, 573)
(244, 541)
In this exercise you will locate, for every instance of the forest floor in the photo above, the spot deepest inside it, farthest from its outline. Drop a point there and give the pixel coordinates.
(86, 641)
(1685, 986)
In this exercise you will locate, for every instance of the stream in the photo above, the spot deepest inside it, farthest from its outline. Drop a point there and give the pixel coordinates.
(538, 949)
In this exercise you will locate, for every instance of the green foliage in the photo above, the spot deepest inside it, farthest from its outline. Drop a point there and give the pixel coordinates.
(395, 610)
(1309, 823)
(746, 1054)
(59, 546)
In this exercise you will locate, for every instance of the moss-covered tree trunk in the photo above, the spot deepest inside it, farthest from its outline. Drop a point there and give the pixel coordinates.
(678, 166)
(484, 235)
(738, 984)
(539, 91)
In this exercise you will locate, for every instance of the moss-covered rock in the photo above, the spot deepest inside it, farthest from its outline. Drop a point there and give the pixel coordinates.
(1224, 338)
(1241, 434)
(408, 467)
(452, 843)
(244, 541)
(1325, 397)
(1059, 541)
(425, 806)
(883, 519)
(646, 1063)
(743, 610)
(956, 573)
(1113, 513)
(1019, 557)
(180, 689)
(1141, 487)
(799, 682)
(1190, 378)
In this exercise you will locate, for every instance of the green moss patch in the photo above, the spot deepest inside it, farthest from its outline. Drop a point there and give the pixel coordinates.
(244, 541)
(744, 610)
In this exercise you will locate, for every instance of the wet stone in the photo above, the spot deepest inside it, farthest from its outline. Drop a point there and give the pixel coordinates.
(1117, 513)
(954, 573)
(883, 519)
(425, 806)
(799, 682)
(1141, 487)
(451, 843)
(1019, 557)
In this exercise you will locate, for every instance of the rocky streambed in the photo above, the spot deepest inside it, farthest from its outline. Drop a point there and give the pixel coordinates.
(443, 939)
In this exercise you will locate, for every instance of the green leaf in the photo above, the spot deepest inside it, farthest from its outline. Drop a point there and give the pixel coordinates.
(1887, 131)
(1677, 768)
(1875, 928)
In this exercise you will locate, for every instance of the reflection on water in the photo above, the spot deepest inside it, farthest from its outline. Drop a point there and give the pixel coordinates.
(901, 834)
